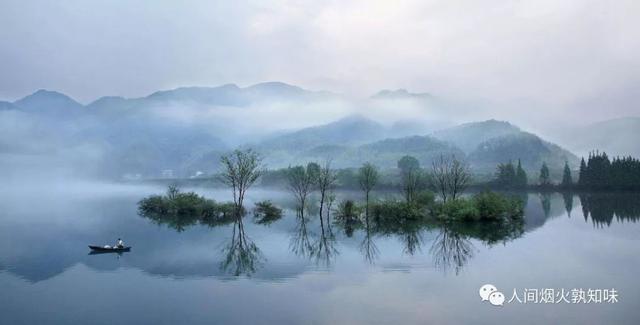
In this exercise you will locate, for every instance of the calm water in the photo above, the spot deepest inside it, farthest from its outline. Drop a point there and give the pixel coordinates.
(292, 273)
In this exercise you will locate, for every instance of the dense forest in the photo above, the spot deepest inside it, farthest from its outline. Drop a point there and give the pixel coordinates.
(601, 173)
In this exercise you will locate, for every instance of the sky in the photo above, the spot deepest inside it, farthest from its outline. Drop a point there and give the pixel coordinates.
(530, 59)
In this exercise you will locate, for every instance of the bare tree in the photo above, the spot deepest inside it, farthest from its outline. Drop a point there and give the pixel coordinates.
(450, 176)
(242, 168)
(368, 178)
(326, 180)
(459, 179)
(301, 183)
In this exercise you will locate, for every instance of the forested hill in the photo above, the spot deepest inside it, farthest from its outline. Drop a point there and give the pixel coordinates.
(483, 144)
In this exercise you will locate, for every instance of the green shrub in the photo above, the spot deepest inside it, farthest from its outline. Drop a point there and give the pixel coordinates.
(425, 199)
(490, 205)
(487, 206)
(395, 210)
(458, 210)
(153, 204)
(179, 210)
(494, 206)
(265, 212)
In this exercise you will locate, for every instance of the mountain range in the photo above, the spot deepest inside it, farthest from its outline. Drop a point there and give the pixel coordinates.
(186, 129)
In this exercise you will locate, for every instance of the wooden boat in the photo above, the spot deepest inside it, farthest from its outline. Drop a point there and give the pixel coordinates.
(102, 249)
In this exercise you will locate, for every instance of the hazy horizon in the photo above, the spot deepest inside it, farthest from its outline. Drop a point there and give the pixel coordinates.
(559, 60)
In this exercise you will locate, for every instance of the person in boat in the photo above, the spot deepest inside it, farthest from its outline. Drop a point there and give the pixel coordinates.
(119, 243)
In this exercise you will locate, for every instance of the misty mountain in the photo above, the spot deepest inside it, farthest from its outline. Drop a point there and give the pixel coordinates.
(50, 103)
(617, 137)
(186, 130)
(469, 135)
(275, 89)
(350, 130)
(488, 143)
(529, 148)
(384, 153)
(426, 149)
(225, 95)
(176, 130)
(232, 95)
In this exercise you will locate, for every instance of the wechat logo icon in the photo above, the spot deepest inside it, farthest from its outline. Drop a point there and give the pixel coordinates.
(490, 293)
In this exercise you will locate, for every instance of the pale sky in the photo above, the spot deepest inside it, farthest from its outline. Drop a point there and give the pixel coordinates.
(578, 59)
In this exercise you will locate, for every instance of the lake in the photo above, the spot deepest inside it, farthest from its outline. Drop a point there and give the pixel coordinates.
(310, 273)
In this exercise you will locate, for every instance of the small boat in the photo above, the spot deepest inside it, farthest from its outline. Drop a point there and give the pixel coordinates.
(102, 249)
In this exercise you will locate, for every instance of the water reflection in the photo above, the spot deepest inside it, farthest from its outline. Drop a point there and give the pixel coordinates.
(368, 247)
(299, 243)
(241, 255)
(603, 208)
(545, 201)
(567, 197)
(451, 250)
(223, 245)
(323, 249)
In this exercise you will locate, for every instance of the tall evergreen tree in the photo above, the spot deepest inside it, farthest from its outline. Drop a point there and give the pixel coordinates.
(567, 181)
(521, 176)
(582, 176)
(544, 177)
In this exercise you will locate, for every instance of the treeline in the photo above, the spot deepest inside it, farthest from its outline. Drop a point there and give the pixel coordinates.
(510, 176)
(598, 172)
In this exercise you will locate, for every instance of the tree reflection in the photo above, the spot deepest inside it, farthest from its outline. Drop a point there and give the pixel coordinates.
(412, 239)
(451, 249)
(300, 244)
(323, 249)
(567, 197)
(242, 255)
(368, 247)
(545, 200)
(603, 208)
